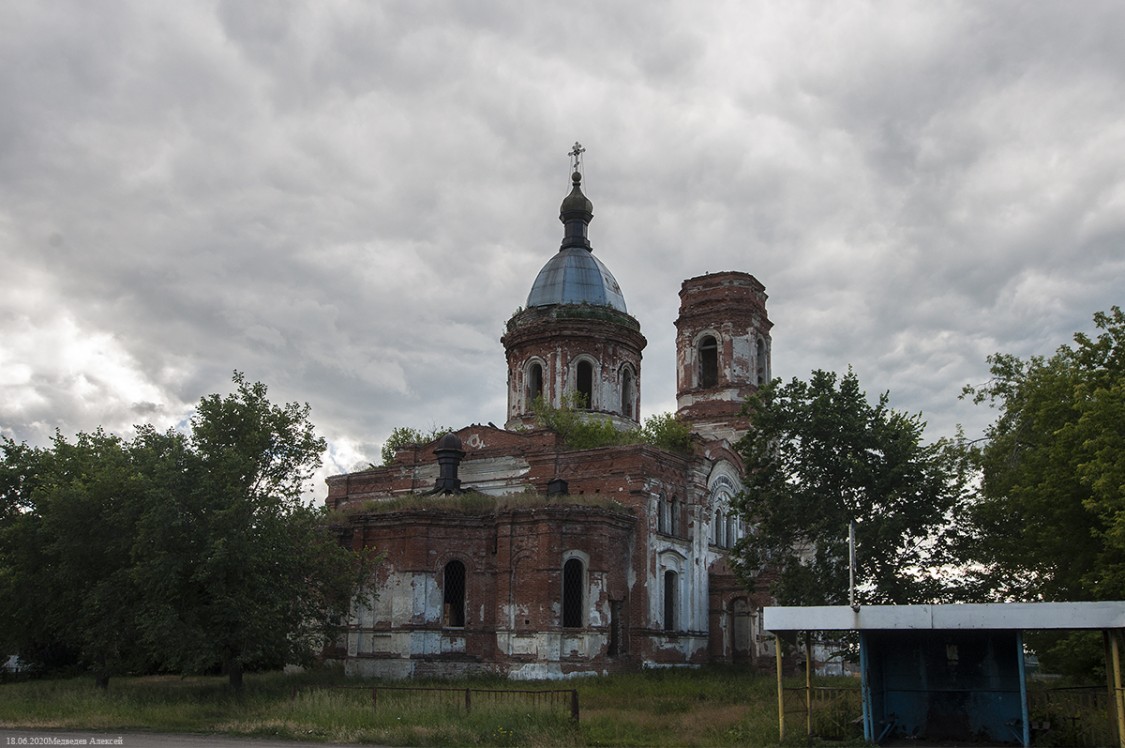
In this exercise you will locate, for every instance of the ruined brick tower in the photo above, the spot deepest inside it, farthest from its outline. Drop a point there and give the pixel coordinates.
(575, 343)
(722, 351)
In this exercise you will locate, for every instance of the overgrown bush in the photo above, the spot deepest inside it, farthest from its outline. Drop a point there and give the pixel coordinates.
(578, 427)
(581, 429)
(405, 436)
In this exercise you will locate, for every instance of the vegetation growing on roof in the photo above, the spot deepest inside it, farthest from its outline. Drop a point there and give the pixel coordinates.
(581, 429)
(405, 436)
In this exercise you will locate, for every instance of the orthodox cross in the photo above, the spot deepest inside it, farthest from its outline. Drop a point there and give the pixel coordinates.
(576, 155)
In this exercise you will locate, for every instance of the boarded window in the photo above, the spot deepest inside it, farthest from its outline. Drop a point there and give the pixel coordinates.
(454, 588)
(585, 375)
(708, 362)
(670, 600)
(616, 629)
(574, 597)
(534, 383)
(741, 623)
(627, 393)
(760, 356)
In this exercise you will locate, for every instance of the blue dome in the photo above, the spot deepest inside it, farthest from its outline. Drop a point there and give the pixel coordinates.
(575, 276)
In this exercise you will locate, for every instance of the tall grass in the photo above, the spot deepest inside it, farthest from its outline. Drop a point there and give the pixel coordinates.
(710, 707)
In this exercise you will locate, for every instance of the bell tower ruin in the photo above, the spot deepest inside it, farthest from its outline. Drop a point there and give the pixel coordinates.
(722, 351)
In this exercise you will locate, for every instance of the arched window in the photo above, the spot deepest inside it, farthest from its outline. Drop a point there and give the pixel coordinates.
(671, 590)
(708, 362)
(725, 527)
(627, 392)
(760, 355)
(585, 384)
(534, 383)
(661, 514)
(741, 623)
(573, 594)
(454, 595)
(674, 518)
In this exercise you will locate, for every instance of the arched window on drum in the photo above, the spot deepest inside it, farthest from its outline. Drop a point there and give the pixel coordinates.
(708, 361)
(534, 383)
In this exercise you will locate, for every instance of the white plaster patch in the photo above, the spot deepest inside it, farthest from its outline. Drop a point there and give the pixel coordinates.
(536, 671)
(524, 645)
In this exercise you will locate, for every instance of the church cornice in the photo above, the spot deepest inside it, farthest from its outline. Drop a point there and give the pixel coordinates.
(558, 312)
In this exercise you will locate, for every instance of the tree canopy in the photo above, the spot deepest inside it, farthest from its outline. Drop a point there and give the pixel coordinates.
(173, 550)
(818, 456)
(1050, 523)
(69, 517)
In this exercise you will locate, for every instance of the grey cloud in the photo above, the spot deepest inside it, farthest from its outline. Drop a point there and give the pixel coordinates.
(347, 200)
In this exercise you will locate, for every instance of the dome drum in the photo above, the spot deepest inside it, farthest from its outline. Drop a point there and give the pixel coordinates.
(545, 350)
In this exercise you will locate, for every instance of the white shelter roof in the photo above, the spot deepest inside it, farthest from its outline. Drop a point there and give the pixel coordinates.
(975, 616)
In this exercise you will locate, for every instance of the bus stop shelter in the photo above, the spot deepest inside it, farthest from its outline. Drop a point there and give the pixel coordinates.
(949, 671)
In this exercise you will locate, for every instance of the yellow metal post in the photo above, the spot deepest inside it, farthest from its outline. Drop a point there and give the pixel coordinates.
(780, 692)
(808, 684)
(1118, 700)
(1110, 690)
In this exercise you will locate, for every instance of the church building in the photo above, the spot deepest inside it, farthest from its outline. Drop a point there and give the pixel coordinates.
(505, 551)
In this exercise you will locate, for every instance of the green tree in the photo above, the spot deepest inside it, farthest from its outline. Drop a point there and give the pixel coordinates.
(23, 559)
(244, 573)
(1051, 520)
(405, 436)
(67, 549)
(174, 551)
(668, 432)
(819, 456)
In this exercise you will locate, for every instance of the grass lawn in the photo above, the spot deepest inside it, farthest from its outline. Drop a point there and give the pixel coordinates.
(709, 707)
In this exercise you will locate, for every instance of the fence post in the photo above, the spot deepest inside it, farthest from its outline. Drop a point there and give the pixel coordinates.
(574, 704)
(808, 683)
(780, 691)
(1119, 698)
(374, 699)
(468, 700)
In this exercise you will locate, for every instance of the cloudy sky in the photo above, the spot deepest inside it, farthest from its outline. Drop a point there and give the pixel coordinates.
(346, 200)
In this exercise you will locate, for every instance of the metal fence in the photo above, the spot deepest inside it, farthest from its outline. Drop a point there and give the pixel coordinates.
(1081, 717)
(466, 698)
(827, 712)
(1077, 717)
